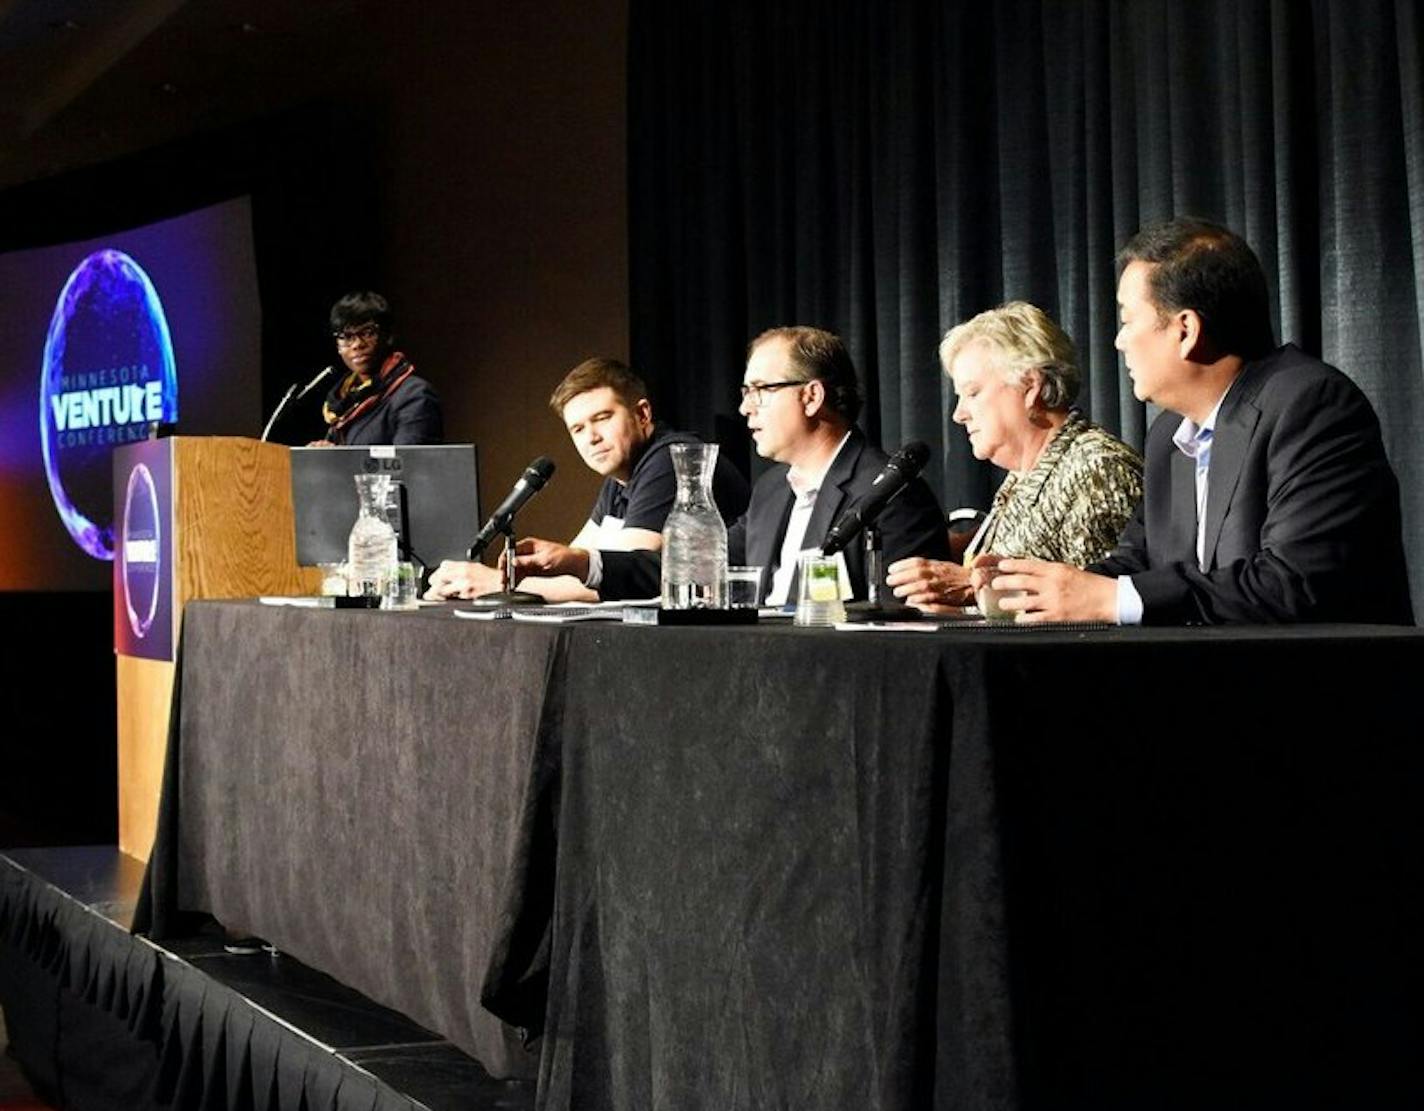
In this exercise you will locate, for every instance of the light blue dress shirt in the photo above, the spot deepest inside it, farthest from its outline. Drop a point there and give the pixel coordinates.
(1193, 441)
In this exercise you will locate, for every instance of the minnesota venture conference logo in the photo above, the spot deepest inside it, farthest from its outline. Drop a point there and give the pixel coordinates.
(139, 551)
(108, 376)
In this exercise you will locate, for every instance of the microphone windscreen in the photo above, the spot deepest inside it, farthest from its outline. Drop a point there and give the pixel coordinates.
(916, 453)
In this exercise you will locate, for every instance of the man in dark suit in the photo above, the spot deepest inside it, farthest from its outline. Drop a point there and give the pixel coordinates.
(1268, 495)
(800, 399)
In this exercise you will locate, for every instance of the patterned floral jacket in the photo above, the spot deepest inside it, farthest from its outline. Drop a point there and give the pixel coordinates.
(1071, 506)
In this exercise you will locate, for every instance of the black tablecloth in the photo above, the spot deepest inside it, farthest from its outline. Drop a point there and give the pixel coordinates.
(346, 784)
(766, 867)
(980, 870)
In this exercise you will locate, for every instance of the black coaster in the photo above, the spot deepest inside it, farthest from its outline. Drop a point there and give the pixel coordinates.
(357, 602)
(858, 612)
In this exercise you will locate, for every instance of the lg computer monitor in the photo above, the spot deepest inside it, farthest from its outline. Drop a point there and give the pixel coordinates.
(436, 513)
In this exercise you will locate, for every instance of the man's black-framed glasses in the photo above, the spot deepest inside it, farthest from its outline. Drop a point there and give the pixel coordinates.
(758, 391)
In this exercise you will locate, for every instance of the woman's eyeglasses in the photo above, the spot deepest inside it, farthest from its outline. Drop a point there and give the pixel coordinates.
(367, 333)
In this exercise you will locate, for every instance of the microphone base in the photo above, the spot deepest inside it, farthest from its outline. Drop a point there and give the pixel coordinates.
(879, 611)
(507, 598)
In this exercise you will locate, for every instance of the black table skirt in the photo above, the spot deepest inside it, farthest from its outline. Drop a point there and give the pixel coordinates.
(765, 867)
(347, 785)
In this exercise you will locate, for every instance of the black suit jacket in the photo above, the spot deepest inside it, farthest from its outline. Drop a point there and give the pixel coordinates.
(410, 415)
(1302, 509)
(912, 524)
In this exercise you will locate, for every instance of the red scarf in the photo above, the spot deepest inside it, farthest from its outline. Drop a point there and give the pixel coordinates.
(351, 398)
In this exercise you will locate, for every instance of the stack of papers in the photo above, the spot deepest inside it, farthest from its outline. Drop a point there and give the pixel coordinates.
(555, 613)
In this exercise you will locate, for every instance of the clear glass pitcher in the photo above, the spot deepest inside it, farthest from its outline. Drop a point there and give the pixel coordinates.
(694, 537)
(371, 547)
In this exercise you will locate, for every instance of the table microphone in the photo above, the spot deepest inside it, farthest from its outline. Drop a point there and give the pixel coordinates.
(529, 484)
(904, 465)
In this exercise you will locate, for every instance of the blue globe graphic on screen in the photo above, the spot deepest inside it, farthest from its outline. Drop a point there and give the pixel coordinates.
(108, 376)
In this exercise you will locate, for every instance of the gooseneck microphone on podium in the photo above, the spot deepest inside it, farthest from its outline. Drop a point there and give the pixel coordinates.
(530, 483)
(295, 394)
(901, 467)
(322, 375)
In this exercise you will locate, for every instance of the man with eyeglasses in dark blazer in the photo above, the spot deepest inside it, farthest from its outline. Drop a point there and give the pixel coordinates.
(800, 399)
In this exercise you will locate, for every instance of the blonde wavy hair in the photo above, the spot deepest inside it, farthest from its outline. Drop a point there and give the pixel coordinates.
(1024, 338)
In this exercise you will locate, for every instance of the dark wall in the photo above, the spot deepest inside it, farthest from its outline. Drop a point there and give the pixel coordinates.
(58, 759)
(503, 214)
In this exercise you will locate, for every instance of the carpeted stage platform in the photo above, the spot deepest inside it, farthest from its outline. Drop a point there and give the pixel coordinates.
(101, 1019)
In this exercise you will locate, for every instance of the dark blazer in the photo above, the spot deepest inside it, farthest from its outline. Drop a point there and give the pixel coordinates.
(1303, 519)
(410, 415)
(912, 524)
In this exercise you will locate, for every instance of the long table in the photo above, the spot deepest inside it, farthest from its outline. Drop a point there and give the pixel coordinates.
(768, 867)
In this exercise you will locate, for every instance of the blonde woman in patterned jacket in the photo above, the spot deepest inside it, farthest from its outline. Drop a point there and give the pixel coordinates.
(1071, 485)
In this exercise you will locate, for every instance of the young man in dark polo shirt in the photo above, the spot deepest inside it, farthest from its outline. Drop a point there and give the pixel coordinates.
(605, 408)
(800, 398)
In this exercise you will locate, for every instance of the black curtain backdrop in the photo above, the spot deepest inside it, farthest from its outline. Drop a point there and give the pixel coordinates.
(888, 170)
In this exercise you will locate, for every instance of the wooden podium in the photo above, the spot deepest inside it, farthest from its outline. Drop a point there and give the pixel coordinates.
(194, 517)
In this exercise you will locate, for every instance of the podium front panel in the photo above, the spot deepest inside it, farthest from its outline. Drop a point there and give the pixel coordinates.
(143, 550)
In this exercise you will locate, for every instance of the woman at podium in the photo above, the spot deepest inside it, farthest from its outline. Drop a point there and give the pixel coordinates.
(380, 399)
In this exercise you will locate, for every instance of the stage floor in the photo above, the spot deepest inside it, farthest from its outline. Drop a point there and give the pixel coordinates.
(359, 1035)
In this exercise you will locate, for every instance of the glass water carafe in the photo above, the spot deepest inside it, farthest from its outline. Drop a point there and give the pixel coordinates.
(371, 547)
(694, 537)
